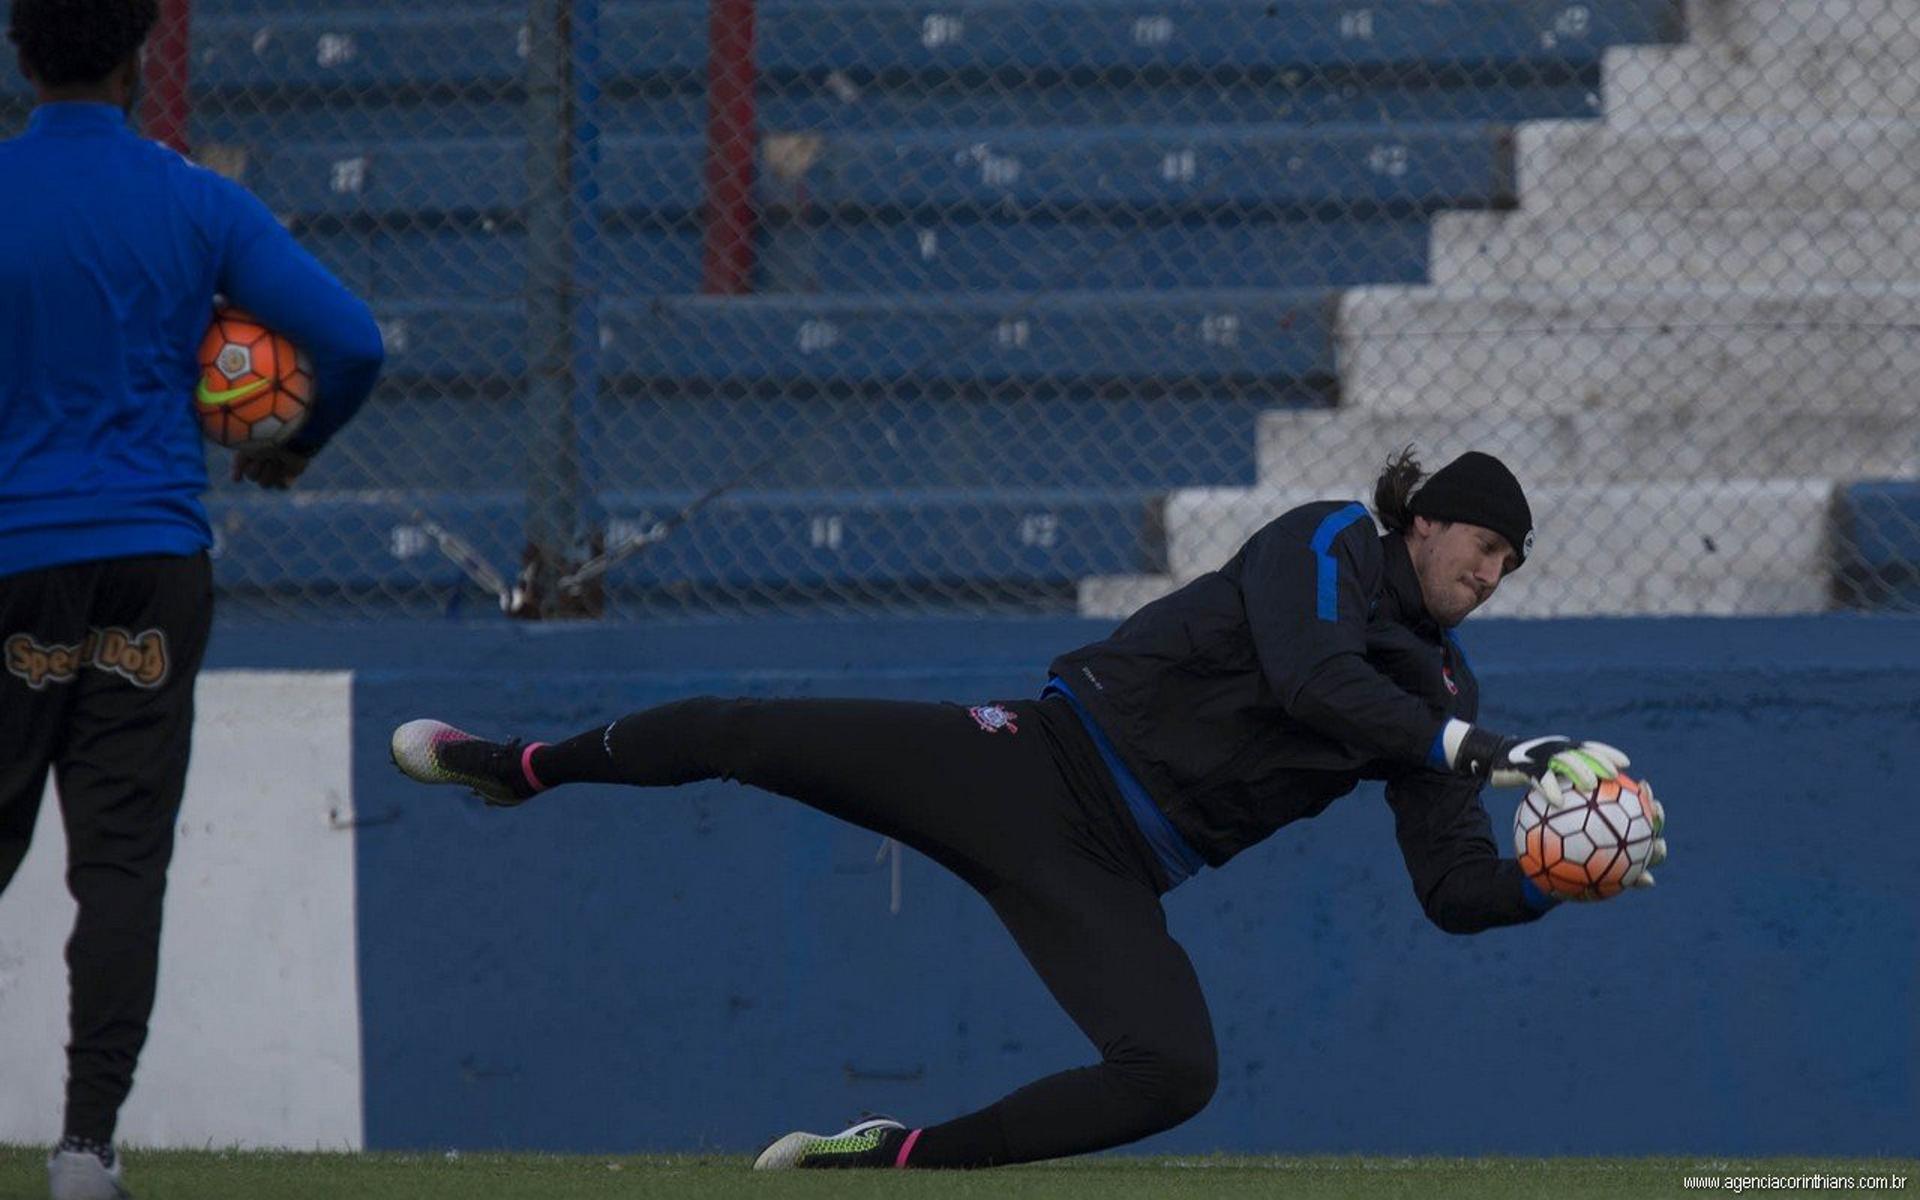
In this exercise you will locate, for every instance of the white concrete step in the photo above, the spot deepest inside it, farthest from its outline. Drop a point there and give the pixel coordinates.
(1528, 350)
(1569, 167)
(1723, 548)
(1752, 26)
(1725, 247)
(1120, 596)
(1345, 449)
(1656, 85)
(1717, 549)
(1205, 526)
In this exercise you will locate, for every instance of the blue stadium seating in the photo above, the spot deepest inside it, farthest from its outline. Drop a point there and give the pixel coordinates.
(488, 260)
(279, 44)
(402, 181)
(813, 342)
(904, 437)
(1004, 245)
(810, 106)
(883, 65)
(802, 542)
(1877, 535)
(1247, 171)
(1250, 169)
(976, 256)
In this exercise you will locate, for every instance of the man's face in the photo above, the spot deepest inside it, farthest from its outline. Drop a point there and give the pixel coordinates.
(1459, 566)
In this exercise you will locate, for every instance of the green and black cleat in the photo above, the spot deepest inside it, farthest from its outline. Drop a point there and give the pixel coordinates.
(871, 1143)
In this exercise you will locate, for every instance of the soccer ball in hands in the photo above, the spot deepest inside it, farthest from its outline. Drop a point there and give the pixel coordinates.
(1594, 847)
(255, 387)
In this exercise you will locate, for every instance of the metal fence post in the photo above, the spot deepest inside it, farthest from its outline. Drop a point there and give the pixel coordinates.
(163, 102)
(553, 470)
(727, 259)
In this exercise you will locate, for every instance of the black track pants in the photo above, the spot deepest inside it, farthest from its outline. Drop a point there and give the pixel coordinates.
(100, 659)
(1011, 799)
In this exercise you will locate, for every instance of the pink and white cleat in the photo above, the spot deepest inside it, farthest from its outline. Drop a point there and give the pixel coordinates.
(500, 773)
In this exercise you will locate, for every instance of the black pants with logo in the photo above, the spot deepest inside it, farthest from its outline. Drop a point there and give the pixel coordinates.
(1015, 800)
(100, 659)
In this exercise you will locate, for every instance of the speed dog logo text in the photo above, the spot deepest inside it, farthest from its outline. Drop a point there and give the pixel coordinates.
(139, 658)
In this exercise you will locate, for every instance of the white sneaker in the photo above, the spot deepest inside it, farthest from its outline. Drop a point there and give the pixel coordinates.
(73, 1175)
(868, 1144)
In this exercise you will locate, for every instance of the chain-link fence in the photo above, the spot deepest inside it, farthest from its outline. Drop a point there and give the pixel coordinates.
(977, 305)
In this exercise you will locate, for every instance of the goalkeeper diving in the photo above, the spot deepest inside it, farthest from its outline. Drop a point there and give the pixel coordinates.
(1320, 655)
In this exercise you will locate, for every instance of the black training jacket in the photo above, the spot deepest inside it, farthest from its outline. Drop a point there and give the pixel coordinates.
(1259, 693)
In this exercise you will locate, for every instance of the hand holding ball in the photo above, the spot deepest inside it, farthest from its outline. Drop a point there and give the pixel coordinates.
(255, 388)
(1596, 844)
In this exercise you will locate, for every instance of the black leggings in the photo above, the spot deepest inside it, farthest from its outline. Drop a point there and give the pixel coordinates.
(1014, 808)
(99, 665)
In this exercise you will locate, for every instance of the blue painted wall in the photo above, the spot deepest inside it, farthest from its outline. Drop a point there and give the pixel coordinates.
(615, 969)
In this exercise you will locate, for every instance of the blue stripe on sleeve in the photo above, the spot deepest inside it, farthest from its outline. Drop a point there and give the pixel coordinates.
(1437, 753)
(1536, 899)
(1328, 580)
(1459, 650)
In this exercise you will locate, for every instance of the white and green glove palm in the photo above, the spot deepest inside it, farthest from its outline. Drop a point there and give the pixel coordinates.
(1659, 852)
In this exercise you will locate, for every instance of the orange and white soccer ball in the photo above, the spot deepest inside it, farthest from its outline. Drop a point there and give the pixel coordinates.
(255, 386)
(1596, 846)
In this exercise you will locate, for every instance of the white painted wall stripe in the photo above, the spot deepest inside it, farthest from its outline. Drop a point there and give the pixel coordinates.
(255, 1038)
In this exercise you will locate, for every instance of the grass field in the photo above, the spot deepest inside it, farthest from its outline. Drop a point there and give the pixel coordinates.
(213, 1175)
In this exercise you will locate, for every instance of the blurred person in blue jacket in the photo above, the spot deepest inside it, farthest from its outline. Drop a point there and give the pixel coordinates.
(112, 250)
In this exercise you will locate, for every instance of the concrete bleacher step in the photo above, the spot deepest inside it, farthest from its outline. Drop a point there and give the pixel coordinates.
(1526, 350)
(1712, 247)
(1343, 449)
(1118, 597)
(1186, 339)
(1654, 85)
(1763, 26)
(807, 540)
(1730, 546)
(1814, 165)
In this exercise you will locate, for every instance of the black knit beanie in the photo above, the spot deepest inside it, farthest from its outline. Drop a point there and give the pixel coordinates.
(1478, 489)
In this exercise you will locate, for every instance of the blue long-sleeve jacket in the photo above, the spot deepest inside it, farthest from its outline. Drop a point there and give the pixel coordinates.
(112, 248)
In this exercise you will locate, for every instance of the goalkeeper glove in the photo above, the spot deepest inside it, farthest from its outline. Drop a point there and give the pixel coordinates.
(1542, 761)
(1658, 854)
